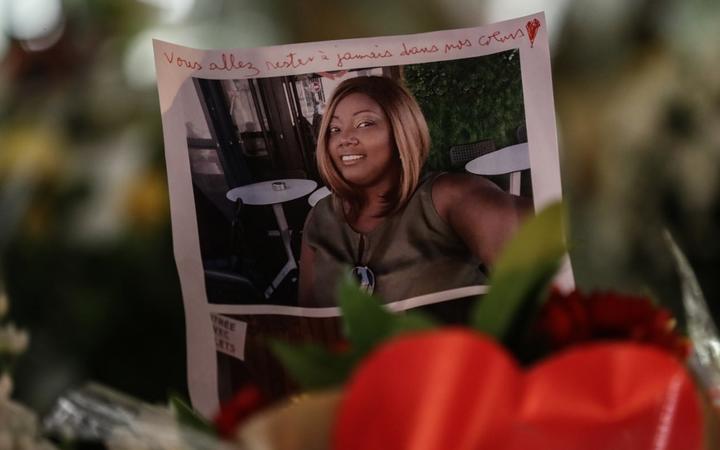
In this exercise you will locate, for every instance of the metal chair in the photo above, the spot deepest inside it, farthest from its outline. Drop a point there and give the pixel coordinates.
(461, 154)
(521, 134)
(235, 280)
(318, 195)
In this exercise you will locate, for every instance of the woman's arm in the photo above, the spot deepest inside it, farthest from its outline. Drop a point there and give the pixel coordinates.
(483, 215)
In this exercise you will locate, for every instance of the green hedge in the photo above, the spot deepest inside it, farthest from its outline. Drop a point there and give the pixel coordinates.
(468, 100)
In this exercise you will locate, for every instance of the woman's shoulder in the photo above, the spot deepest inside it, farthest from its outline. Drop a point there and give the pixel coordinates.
(321, 221)
(458, 194)
(459, 182)
(452, 189)
(324, 210)
(325, 203)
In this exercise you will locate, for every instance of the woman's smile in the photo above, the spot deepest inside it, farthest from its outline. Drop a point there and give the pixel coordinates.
(351, 159)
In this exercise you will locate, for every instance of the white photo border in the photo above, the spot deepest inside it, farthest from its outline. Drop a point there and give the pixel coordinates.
(177, 65)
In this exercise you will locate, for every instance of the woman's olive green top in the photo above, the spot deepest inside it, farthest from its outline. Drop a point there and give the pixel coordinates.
(412, 252)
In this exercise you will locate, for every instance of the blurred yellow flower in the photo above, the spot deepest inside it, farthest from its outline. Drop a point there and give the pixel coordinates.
(4, 304)
(33, 150)
(13, 341)
(147, 203)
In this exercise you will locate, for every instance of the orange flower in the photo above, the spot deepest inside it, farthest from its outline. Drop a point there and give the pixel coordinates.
(452, 388)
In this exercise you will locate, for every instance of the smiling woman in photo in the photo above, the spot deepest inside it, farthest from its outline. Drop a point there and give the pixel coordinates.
(402, 234)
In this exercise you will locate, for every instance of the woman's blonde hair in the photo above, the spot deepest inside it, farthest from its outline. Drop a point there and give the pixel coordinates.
(410, 135)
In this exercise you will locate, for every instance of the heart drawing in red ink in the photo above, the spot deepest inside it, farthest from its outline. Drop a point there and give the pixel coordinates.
(455, 389)
(532, 29)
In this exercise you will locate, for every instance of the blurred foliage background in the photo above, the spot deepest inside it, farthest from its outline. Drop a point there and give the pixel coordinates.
(85, 244)
(487, 104)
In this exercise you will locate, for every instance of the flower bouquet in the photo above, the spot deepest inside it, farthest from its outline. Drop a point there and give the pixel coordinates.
(535, 368)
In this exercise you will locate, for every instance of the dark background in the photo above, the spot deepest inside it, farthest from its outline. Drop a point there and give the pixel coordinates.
(85, 240)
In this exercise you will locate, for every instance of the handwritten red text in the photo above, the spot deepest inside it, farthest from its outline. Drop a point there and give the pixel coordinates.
(461, 44)
(349, 56)
(498, 37)
(229, 63)
(407, 51)
(182, 62)
(291, 61)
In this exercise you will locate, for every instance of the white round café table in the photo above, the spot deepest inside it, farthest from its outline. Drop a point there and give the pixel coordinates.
(275, 193)
(512, 159)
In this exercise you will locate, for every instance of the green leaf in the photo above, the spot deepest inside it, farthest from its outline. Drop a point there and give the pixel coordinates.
(522, 273)
(365, 321)
(411, 322)
(313, 366)
(186, 415)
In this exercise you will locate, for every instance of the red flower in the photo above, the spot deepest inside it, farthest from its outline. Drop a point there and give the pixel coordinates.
(571, 318)
(245, 402)
(455, 389)
(341, 345)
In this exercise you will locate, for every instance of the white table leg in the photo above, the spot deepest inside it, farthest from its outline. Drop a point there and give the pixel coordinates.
(287, 268)
(285, 236)
(515, 183)
(284, 231)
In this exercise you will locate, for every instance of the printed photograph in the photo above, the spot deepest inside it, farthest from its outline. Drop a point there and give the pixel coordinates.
(411, 178)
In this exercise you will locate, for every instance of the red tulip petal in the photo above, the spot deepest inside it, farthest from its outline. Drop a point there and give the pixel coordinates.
(450, 389)
(610, 397)
(454, 389)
